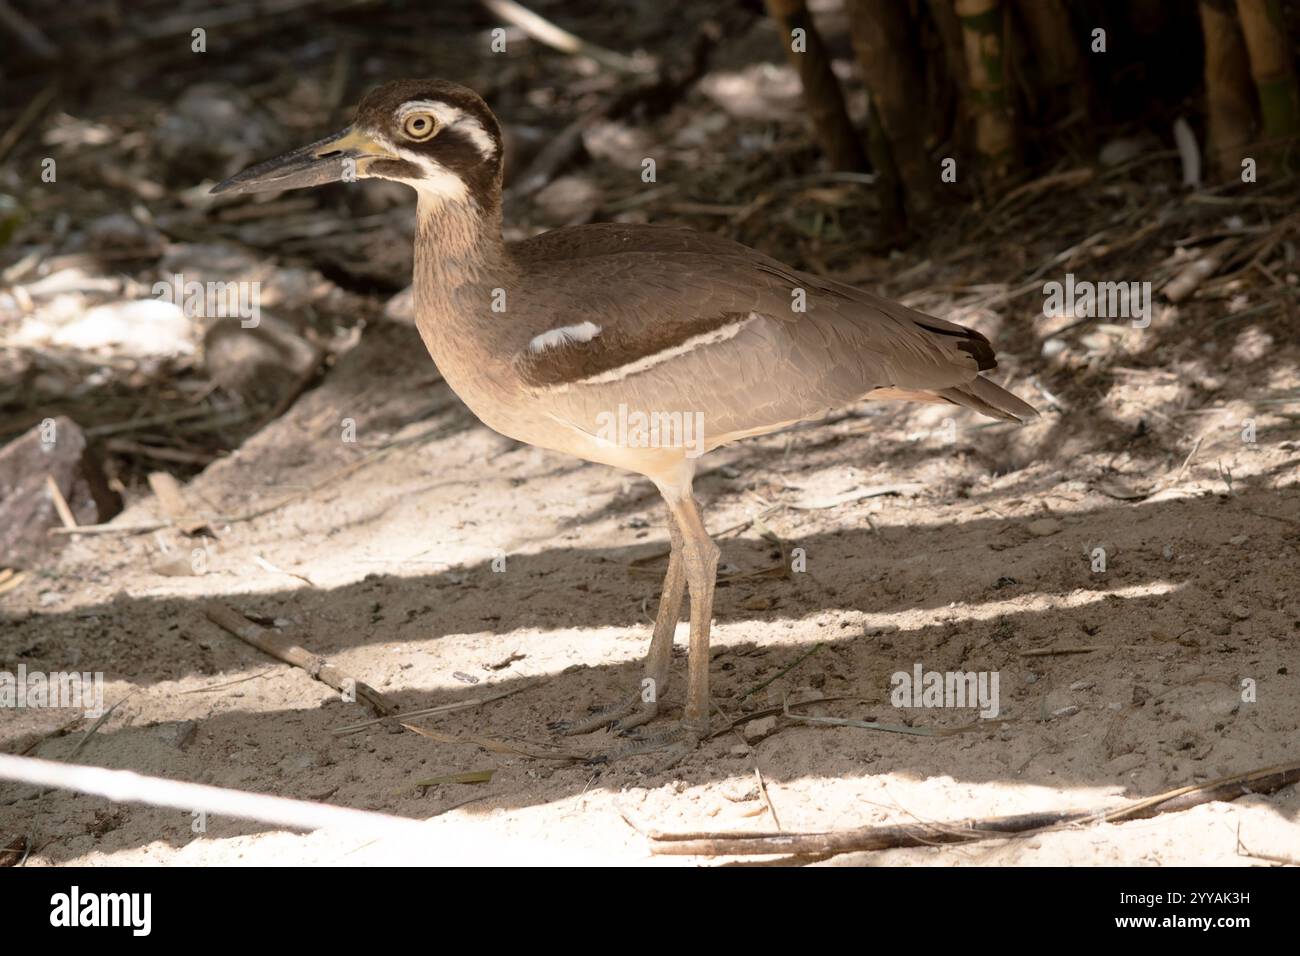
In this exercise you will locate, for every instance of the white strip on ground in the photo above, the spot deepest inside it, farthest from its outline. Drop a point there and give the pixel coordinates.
(470, 847)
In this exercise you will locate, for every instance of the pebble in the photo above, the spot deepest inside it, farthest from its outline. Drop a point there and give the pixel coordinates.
(1126, 762)
(1066, 711)
(1042, 527)
(1240, 612)
(759, 728)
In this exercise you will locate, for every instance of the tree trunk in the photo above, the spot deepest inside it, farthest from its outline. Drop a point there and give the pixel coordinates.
(821, 90)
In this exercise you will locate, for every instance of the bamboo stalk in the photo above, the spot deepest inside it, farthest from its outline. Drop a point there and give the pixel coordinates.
(1056, 50)
(739, 843)
(283, 650)
(1229, 98)
(821, 90)
(884, 43)
(1273, 67)
(995, 133)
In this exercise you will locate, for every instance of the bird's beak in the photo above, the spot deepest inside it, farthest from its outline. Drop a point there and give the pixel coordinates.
(341, 157)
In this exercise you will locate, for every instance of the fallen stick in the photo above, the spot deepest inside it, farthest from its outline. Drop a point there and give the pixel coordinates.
(546, 32)
(783, 671)
(282, 649)
(27, 31)
(125, 786)
(1198, 270)
(739, 843)
(168, 491)
(430, 711)
(60, 502)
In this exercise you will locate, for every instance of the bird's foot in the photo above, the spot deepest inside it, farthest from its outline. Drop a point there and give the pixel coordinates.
(673, 745)
(618, 718)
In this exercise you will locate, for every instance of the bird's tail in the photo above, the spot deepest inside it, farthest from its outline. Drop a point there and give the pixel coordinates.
(989, 399)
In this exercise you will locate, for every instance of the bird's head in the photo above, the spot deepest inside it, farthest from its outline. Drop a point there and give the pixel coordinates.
(437, 137)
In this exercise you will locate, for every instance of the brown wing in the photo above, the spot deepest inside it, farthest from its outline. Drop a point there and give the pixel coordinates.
(694, 323)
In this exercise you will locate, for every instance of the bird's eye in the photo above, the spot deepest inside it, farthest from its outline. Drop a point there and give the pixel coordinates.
(419, 127)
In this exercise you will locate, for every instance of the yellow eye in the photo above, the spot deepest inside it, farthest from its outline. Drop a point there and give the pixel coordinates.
(419, 126)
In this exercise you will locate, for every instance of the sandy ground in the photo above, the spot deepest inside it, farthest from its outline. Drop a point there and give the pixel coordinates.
(984, 561)
(387, 570)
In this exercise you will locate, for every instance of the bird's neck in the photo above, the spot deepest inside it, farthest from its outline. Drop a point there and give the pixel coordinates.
(460, 258)
(457, 244)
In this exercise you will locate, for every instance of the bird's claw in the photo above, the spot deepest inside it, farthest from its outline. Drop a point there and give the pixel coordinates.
(674, 745)
(618, 718)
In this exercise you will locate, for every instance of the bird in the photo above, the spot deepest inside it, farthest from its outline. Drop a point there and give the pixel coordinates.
(638, 346)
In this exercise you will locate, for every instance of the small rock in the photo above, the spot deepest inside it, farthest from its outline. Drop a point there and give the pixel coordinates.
(179, 734)
(758, 603)
(1066, 711)
(569, 200)
(1167, 552)
(302, 761)
(744, 790)
(1240, 612)
(55, 448)
(1042, 527)
(176, 564)
(138, 328)
(757, 729)
(740, 750)
(401, 307)
(1239, 539)
(1082, 685)
(1126, 762)
(263, 362)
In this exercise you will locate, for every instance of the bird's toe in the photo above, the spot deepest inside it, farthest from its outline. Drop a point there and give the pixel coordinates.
(600, 719)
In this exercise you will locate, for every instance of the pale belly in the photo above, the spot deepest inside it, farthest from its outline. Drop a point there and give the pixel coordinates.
(513, 414)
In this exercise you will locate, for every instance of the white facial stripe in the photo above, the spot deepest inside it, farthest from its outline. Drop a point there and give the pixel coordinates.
(449, 116)
(647, 362)
(437, 181)
(569, 334)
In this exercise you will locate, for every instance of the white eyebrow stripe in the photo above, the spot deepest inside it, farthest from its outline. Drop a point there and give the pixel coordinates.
(569, 334)
(449, 116)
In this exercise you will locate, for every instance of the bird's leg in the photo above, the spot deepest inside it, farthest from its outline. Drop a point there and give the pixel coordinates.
(700, 561)
(642, 706)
